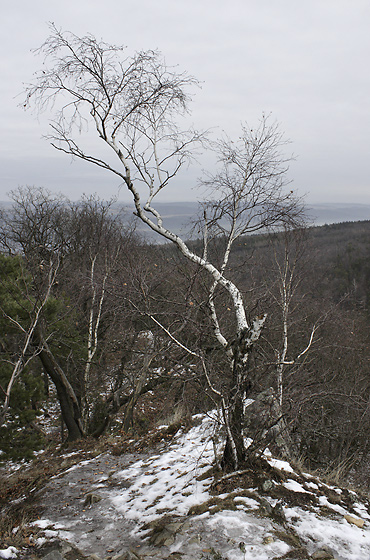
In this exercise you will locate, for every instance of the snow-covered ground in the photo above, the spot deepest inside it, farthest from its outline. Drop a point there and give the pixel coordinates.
(133, 493)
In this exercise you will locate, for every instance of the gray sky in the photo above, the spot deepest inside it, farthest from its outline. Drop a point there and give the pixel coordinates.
(308, 63)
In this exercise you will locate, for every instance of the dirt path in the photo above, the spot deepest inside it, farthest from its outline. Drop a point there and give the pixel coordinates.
(139, 502)
(165, 504)
(78, 505)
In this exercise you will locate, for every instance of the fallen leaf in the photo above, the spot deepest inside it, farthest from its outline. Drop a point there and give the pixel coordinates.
(354, 521)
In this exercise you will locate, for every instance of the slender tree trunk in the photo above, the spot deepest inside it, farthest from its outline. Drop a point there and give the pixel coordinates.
(235, 452)
(69, 406)
(140, 383)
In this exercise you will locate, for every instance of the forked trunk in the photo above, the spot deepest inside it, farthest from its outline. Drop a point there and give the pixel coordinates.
(69, 406)
(235, 451)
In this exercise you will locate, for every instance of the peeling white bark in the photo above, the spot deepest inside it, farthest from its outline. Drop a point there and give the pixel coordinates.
(288, 285)
(95, 314)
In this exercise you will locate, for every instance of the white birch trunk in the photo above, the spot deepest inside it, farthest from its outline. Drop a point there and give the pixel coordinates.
(93, 340)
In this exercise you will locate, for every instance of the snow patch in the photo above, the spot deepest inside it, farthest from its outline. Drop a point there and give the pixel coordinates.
(295, 486)
(348, 541)
(10, 552)
(281, 465)
(169, 482)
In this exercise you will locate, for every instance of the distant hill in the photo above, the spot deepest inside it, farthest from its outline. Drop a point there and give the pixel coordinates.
(178, 216)
(333, 213)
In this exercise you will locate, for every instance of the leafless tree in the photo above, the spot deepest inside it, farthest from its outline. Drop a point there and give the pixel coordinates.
(134, 104)
(96, 235)
(288, 256)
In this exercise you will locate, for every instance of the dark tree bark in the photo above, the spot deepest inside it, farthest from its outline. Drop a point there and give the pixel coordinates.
(69, 406)
(115, 403)
(235, 452)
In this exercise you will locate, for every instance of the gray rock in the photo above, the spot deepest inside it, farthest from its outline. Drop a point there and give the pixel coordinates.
(267, 485)
(64, 547)
(169, 541)
(165, 538)
(130, 555)
(173, 527)
(53, 555)
(278, 513)
(323, 553)
(265, 507)
(91, 499)
(195, 540)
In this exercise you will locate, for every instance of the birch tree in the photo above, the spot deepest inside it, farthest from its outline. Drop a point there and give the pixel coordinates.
(135, 104)
(288, 273)
(96, 238)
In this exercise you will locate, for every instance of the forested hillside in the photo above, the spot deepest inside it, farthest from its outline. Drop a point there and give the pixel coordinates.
(326, 392)
(92, 319)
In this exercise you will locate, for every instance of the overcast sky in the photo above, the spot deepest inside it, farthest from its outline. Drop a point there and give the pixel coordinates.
(307, 63)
